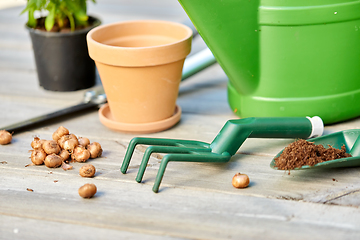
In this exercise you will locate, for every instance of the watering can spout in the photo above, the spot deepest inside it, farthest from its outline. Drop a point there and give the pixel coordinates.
(240, 43)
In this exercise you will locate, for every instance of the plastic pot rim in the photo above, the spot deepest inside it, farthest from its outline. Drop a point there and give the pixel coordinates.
(96, 23)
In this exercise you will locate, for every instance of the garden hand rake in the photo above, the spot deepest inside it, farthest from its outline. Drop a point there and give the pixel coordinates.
(225, 144)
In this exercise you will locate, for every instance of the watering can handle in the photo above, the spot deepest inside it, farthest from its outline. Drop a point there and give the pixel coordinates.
(235, 132)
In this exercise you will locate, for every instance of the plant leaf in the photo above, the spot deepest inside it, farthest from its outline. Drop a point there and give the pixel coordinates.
(82, 4)
(31, 4)
(50, 18)
(70, 17)
(72, 22)
(77, 11)
(31, 19)
(40, 4)
(27, 8)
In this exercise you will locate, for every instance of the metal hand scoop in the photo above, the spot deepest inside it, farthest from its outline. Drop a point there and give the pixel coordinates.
(349, 138)
(225, 144)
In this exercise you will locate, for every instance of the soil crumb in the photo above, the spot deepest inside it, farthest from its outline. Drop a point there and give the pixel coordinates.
(302, 152)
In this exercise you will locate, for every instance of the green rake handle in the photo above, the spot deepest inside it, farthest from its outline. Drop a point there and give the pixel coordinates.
(235, 132)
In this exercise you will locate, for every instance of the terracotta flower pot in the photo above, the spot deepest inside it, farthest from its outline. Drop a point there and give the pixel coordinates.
(140, 65)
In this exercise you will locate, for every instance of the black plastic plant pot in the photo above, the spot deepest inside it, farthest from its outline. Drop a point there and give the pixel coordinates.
(62, 59)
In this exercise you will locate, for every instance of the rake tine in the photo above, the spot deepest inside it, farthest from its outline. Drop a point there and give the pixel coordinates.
(159, 149)
(211, 157)
(128, 154)
(199, 146)
(138, 140)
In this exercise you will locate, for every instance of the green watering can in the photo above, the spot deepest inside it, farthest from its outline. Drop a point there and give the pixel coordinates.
(285, 58)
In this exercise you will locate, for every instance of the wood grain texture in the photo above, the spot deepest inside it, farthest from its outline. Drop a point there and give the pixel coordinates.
(195, 201)
(185, 213)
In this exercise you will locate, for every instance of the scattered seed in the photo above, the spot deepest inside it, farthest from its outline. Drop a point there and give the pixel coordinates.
(94, 149)
(240, 180)
(5, 137)
(61, 131)
(38, 156)
(53, 161)
(88, 190)
(87, 170)
(80, 154)
(83, 141)
(51, 146)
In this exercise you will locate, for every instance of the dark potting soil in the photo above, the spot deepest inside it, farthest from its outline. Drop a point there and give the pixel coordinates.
(40, 25)
(302, 152)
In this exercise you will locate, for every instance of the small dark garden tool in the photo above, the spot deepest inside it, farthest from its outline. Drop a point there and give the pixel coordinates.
(349, 138)
(91, 99)
(225, 144)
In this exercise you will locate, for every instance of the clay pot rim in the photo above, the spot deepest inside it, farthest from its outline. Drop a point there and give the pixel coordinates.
(129, 56)
(109, 25)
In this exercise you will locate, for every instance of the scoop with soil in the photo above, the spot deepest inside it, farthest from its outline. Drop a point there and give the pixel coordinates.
(340, 149)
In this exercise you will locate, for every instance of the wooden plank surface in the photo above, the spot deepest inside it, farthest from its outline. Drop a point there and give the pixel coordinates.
(196, 200)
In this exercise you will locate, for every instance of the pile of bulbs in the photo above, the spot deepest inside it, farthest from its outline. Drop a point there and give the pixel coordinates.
(64, 147)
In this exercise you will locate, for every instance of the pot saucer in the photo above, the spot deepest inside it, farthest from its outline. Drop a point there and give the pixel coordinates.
(107, 119)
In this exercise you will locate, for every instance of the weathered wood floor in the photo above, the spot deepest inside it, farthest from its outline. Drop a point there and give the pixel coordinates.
(196, 200)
